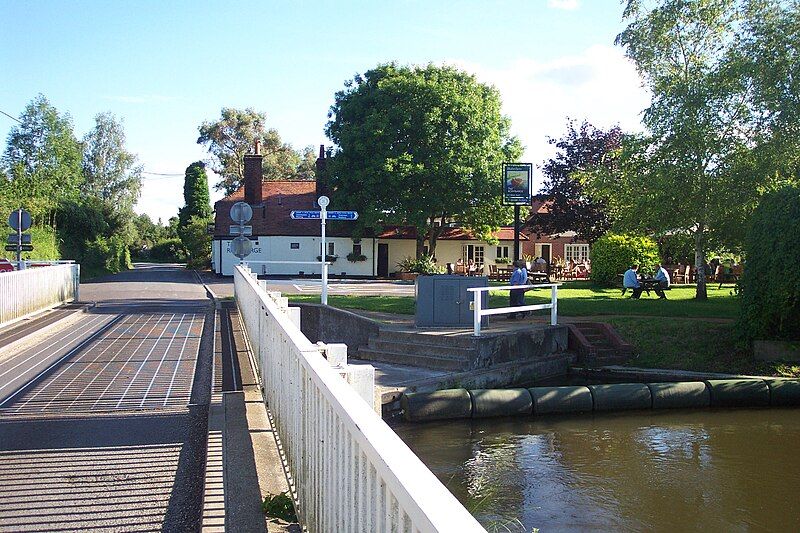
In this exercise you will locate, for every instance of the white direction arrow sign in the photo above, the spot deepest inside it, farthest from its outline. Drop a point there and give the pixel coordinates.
(241, 230)
(329, 215)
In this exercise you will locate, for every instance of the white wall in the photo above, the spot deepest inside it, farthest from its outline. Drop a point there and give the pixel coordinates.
(399, 249)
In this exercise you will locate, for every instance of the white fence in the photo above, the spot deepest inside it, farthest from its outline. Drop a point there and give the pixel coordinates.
(24, 292)
(479, 312)
(351, 471)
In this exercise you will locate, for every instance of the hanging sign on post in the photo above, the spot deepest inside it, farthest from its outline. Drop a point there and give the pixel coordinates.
(517, 183)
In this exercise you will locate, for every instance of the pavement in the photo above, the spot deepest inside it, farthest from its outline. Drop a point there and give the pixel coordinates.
(104, 414)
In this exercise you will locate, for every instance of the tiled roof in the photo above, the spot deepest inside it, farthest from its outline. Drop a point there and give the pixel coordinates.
(455, 234)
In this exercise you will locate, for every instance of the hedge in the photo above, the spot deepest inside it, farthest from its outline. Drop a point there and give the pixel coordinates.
(770, 285)
(613, 254)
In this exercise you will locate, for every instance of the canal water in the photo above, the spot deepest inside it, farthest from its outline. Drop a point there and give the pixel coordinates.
(709, 470)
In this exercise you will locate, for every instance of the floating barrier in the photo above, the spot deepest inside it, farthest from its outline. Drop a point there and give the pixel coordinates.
(679, 395)
(621, 396)
(481, 403)
(551, 400)
(738, 392)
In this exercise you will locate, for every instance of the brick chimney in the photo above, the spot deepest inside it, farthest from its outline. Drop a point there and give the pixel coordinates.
(252, 176)
(322, 177)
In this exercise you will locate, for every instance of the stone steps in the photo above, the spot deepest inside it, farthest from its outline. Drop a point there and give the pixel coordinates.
(410, 359)
(439, 339)
(438, 352)
(421, 348)
(602, 349)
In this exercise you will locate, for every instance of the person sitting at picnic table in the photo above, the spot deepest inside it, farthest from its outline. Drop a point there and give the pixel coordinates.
(630, 280)
(516, 297)
(662, 277)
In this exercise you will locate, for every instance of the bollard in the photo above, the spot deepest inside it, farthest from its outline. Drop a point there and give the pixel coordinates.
(679, 395)
(436, 405)
(550, 400)
(500, 402)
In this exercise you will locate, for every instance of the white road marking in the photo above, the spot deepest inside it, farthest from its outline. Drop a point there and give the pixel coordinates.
(144, 361)
(166, 351)
(175, 372)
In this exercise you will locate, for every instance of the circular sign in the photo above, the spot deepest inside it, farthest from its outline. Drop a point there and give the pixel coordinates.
(241, 247)
(323, 201)
(19, 220)
(241, 212)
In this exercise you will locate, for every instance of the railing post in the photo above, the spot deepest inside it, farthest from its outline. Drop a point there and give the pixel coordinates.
(554, 302)
(476, 322)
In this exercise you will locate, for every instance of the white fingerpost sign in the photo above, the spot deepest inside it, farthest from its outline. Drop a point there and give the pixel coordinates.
(323, 202)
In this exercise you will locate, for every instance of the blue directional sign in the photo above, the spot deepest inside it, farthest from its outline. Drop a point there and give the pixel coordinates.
(330, 215)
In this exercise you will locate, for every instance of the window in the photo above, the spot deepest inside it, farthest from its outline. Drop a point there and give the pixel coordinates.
(330, 249)
(502, 251)
(474, 252)
(576, 252)
(294, 245)
(356, 249)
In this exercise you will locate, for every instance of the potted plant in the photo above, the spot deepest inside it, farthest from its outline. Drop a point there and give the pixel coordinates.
(328, 258)
(356, 258)
(502, 260)
(410, 268)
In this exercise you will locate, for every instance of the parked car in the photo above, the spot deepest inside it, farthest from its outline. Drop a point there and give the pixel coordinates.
(6, 266)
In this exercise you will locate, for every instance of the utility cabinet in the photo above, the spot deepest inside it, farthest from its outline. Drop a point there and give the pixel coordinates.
(443, 300)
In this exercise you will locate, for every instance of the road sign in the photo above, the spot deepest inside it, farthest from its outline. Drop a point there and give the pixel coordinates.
(329, 215)
(241, 247)
(14, 238)
(342, 215)
(19, 220)
(241, 230)
(22, 247)
(305, 215)
(241, 212)
(323, 201)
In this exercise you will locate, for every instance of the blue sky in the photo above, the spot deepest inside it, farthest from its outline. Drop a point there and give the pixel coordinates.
(164, 67)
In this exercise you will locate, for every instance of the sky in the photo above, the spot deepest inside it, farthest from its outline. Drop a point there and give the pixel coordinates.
(165, 67)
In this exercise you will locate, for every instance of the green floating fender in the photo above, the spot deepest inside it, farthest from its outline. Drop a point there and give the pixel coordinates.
(550, 400)
(679, 395)
(783, 391)
(621, 396)
(738, 392)
(500, 402)
(436, 405)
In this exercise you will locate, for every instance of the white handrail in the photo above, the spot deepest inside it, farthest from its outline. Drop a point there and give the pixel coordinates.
(25, 292)
(479, 312)
(350, 470)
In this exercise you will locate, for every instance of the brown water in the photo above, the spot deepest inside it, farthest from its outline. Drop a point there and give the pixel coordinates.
(709, 470)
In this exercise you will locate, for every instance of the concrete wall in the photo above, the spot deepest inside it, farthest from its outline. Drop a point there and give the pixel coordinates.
(520, 345)
(330, 325)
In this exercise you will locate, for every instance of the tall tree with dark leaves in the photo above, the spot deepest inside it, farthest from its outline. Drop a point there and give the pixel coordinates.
(582, 148)
(421, 146)
(196, 198)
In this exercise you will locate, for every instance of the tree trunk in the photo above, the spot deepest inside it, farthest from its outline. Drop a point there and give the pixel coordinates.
(432, 239)
(420, 243)
(700, 264)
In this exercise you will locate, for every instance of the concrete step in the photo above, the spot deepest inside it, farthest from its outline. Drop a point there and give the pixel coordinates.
(400, 358)
(438, 338)
(418, 348)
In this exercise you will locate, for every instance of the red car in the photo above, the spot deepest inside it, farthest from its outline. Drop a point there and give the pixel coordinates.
(6, 266)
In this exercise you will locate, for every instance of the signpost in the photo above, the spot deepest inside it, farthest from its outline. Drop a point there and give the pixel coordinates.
(19, 220)
(517, 192)
(241, 246)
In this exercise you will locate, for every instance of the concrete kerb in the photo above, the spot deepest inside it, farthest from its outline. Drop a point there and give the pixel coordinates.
(34, 336)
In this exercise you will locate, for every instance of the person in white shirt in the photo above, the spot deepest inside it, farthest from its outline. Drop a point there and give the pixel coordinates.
(662, 277)
(630, 280)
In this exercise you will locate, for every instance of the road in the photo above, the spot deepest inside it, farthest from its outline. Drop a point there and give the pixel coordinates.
(223, 286)
(103, 420)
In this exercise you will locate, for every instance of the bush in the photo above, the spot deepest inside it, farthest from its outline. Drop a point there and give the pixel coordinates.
(45, 244)
(770, 285)
(197, 242)
(170, 250)
(425, 265)
(613, 254)
(102, 256)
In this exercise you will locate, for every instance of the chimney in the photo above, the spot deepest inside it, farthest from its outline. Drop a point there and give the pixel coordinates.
(322, 177)
(252, 176)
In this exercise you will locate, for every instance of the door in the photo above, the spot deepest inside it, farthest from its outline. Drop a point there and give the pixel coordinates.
(546, 253)
(383, 260)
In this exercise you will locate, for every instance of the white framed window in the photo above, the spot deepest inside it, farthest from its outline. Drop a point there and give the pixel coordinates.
(331, 248)
(294, 245)
(472, 251)
(576, 252)
(502, 252)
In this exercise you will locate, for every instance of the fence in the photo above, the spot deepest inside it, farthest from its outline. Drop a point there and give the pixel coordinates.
(350, 470)
(24, 292)
(479, 312)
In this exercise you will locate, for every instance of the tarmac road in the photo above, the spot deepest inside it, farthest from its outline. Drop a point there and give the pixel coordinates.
(103, 422)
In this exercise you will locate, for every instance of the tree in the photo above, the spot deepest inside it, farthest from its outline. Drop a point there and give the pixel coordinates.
(569, 207)
(196, 241)
(42, 161)
(421, 146)
(109, 169)
(196, 199)
(693, 170)
(233, 136)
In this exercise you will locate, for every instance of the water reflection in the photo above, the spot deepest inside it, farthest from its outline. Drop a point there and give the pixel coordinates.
(712, 470)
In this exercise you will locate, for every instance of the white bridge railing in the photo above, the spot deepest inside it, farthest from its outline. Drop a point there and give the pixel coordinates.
(24, 292)
(350, 470)
(479, 312)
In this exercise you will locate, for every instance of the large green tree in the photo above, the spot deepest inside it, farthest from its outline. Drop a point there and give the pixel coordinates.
(195, 194)
(694, 169)
(109, 169)
(42, 162)
(232, 136)
(421, 146)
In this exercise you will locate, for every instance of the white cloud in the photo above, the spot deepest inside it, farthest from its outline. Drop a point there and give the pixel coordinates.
(599, 85)
(569, 5)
